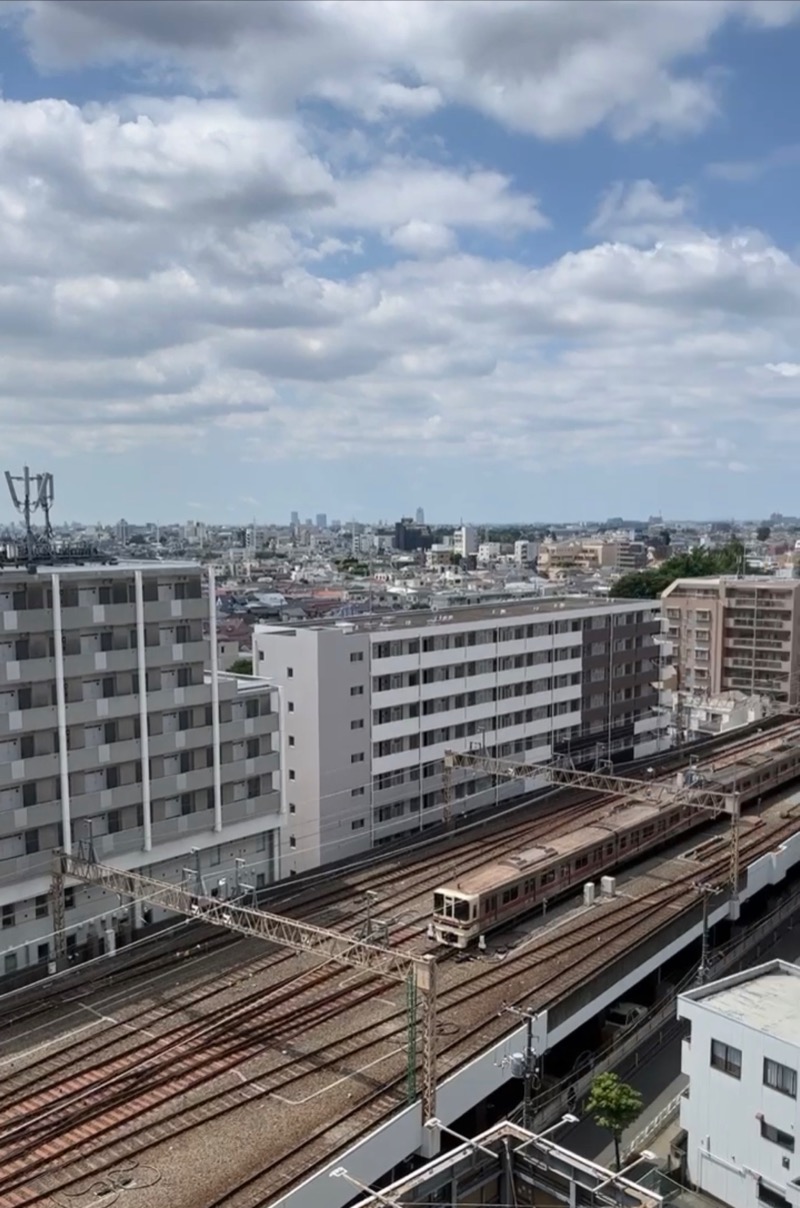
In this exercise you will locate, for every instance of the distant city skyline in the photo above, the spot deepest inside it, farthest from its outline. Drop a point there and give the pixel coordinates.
(492, 259)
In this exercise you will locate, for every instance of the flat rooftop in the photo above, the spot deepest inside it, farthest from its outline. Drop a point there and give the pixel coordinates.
(465, 613)
(766, 999)
(98, 564)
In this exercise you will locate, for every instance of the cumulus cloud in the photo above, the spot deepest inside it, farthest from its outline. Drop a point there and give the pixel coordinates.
(639, 213)
(540, 66)
(179, 266)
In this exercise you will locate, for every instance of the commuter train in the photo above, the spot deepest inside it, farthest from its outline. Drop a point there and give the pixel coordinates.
(500, 892)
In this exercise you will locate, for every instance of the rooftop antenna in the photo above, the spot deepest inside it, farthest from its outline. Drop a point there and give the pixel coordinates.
(37, 492)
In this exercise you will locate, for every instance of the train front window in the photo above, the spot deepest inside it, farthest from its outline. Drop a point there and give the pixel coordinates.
(438, 903)
(461, 909)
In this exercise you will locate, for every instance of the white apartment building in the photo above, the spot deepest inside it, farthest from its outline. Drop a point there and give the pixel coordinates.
(372, 704)
(116, 727)
(741, 1115)
(465, 540)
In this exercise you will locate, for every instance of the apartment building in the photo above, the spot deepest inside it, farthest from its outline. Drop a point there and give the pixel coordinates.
(111, 729)
(741, 1113)
(372, 704)
(731, 634)
(558, 558)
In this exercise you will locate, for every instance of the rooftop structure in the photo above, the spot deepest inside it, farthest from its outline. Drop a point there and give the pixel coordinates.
(507, 1164)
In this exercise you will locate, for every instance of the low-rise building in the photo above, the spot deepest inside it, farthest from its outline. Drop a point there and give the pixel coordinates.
(741, 1115)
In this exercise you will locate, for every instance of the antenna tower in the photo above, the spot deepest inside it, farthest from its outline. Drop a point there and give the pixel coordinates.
(36, 495)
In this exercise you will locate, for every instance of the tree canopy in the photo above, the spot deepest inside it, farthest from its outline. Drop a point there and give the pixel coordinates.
(242, 666)
(697, 564)
(613, 1105)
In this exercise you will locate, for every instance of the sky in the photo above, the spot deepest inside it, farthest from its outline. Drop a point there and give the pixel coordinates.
(501, 260)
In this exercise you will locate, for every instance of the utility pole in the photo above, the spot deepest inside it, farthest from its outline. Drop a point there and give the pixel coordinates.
(706, 890)
(523, 1065)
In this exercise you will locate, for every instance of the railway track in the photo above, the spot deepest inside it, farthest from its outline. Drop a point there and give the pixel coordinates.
(553, 957)
(49, 1128)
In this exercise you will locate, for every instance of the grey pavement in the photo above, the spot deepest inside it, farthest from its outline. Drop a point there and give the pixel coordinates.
(659, 1080)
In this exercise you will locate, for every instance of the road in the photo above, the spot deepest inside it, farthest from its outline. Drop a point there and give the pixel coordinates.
(658, 1079)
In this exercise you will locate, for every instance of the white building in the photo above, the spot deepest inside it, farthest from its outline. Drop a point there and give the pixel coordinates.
(741, 1116)
(373, 703)
(525, 552)
(465, 540)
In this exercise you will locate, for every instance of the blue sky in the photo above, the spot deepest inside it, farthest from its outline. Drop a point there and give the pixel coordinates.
(502, 260)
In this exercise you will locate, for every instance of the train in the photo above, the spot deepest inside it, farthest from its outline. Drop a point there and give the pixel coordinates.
(506, 889)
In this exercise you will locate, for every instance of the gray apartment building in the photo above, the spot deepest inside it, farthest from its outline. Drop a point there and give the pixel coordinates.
(372, 704)
(113, 728)
(735, 634)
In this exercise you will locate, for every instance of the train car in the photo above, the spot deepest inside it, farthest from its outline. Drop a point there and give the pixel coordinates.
(501, 891)
(497, 893)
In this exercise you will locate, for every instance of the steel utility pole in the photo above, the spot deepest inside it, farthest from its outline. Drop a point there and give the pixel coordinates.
(706, 890)
(528, 1070)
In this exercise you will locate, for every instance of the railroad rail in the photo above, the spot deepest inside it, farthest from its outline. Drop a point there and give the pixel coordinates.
(418, 972)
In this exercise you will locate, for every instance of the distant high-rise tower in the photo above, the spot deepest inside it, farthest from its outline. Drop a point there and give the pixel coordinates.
(322, 520)
(122, 532)
(420, 517)
(295, 520)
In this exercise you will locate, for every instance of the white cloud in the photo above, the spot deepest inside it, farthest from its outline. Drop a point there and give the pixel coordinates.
(638, 213)
(419, 238)
(541, 66)
(175, 267)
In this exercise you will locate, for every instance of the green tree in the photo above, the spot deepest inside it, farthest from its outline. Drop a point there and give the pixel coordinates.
(762, 532)
(698, 563)
(613, 1105)
(242, 666)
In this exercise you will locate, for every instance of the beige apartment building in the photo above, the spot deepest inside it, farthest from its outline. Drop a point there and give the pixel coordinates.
(556, 559)
(735, 634)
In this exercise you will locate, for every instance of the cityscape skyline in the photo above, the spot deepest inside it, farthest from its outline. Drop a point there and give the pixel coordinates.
(511, 259)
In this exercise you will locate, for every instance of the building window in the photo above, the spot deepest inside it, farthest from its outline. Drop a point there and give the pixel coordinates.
(8, 915)
(292, 775)
(778, 1137)
(359, 792)
(357, 723)
(254, 786)
(357, 656)
(291, 740)
(780, 1078)
(42, 906)
(10, 962)
(357, 690)
(358, 757)
(357, 825)
(253, 745)
(772, 1197)
(292, 841)
(292, 808)
(69, 898)
(726, 1058)
(113, 822)
(290, 672)
(29, 794)
(290, 706)
(187, 804)
(31, 842)
(251, 708)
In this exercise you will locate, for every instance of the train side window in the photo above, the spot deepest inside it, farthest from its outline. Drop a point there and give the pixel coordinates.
(565, 870)
(581, 861)
(634, 836)
(510, 895)
(548, 876)
(438, 903)
(647, 831)
(609, 849)
(623, 841)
